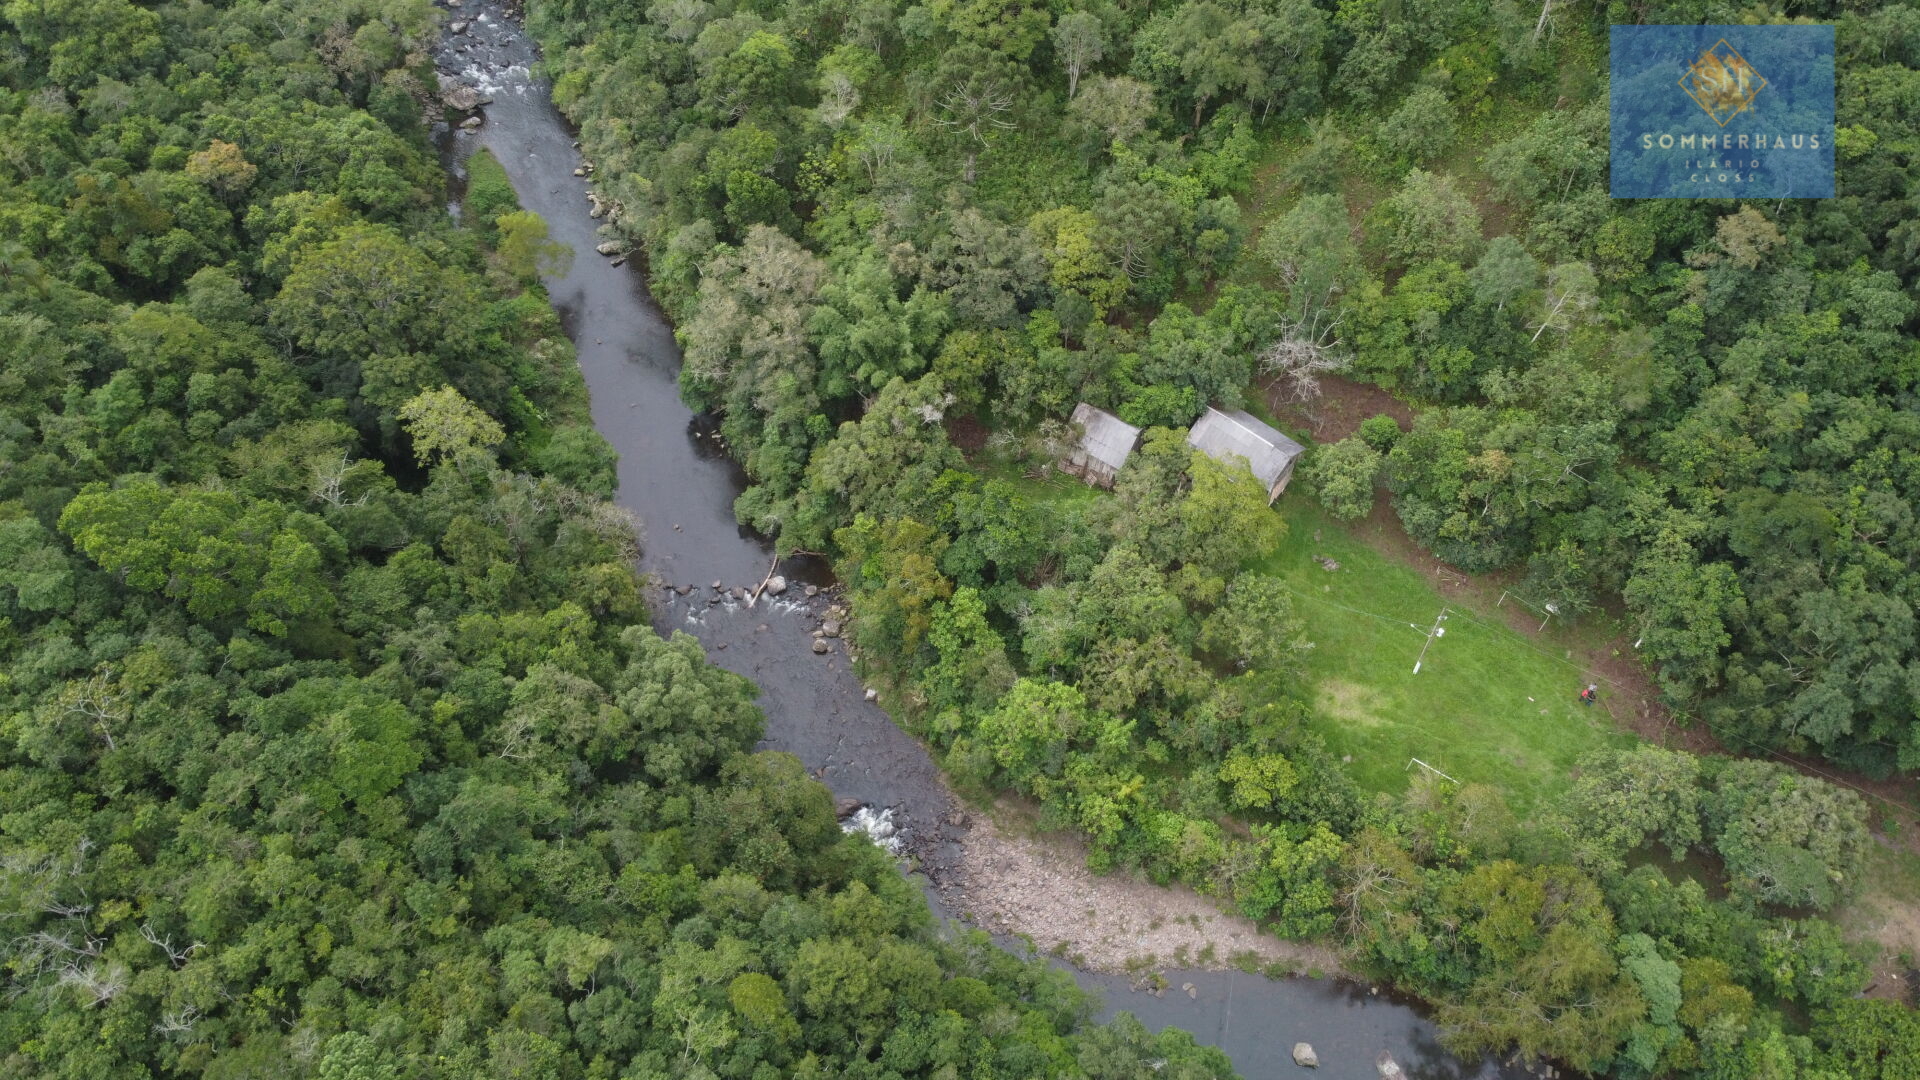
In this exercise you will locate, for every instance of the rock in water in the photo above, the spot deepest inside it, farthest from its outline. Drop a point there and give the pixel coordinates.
(464, 99)
(846, 808)
(831, 628)
(1389, 1068)
(471, 123)
(1304, 1056)
(457, 27)
(776, 585)
(820, 646)
(612, 247)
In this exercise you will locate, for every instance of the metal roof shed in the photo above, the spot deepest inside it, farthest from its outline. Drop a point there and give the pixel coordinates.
(1106, 441)
(1228, 434)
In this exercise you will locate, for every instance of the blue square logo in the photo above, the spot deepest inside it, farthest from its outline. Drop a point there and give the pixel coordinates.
(1722, 112)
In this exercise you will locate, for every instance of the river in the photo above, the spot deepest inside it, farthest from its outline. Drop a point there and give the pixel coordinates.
(682, 488)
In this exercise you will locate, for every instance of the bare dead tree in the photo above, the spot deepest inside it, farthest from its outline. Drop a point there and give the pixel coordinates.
(165, 945)
(328, 485)
(1309, 347)
(100, 982)
(178, 1022)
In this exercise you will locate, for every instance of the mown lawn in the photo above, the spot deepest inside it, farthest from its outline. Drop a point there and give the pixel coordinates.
(1486, 707)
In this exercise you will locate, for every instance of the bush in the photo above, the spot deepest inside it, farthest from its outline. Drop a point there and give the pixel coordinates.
(1380, 432)
(1343, 473)
(489, 192)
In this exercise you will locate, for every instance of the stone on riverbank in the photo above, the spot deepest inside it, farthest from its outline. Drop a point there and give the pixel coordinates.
(820, 646)
(612, 247)
(776, 585)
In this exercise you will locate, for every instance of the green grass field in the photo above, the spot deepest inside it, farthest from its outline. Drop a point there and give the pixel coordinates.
(1486, 707)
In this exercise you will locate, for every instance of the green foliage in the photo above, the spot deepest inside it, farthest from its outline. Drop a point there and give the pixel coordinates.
(1793, 841)
(309, 767)
(873, 229)
(1344, 474)
(525, 249)
(1428, 218)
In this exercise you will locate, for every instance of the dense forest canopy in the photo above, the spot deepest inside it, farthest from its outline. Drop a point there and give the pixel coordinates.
(876, 222)
(334, 741)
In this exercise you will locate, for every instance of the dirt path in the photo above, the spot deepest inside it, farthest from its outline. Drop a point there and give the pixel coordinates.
(1039, 887)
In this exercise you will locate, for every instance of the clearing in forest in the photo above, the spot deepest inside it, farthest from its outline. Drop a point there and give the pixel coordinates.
(1488, 706)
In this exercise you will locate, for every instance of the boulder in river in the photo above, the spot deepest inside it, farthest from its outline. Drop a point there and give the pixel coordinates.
(1304, 1056)
(776, 585)
(1389, 1068)
(830, 628)
(613, 247)
(464, 99)
(471, 123)
(846, 808)
(457, 26)
(813, 591)
(820, 646)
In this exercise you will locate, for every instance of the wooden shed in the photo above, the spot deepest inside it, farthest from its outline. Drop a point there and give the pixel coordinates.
(1104, 443)
(1230, 435)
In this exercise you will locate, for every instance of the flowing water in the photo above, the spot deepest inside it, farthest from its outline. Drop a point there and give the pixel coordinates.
(675, 478)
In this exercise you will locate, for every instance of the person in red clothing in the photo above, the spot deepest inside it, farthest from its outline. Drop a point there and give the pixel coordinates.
(1590, 694)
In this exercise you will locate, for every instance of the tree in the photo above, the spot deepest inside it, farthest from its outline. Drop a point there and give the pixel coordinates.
(1068, 240)
(883, 464)
(1625, 799)
(445, 425)
(1119, 107)
(1199, 51)
(1255, 627)
(1428, 218)
(1793, 840)
(526, 248)
(1422, 127)
(1551, 984)
(867, 335)
(222, 167)
(1079, 41)
(1504, 273)
(898, 563)
(1312, 250)
(1343, 476)
(1031, 730)
(1291, 39)
(1226, 522)
(1184, 349)
(367, 291)
(975, 100)
(1572, 291)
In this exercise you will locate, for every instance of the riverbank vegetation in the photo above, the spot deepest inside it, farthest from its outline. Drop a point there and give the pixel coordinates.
(878, 222)
(334, 740)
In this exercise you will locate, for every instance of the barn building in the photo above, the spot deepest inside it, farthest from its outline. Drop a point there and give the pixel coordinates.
(1228, 434)
(1105, 443)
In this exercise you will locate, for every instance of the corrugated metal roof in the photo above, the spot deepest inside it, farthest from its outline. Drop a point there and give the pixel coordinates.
(1223, 434)
(1108, 439)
